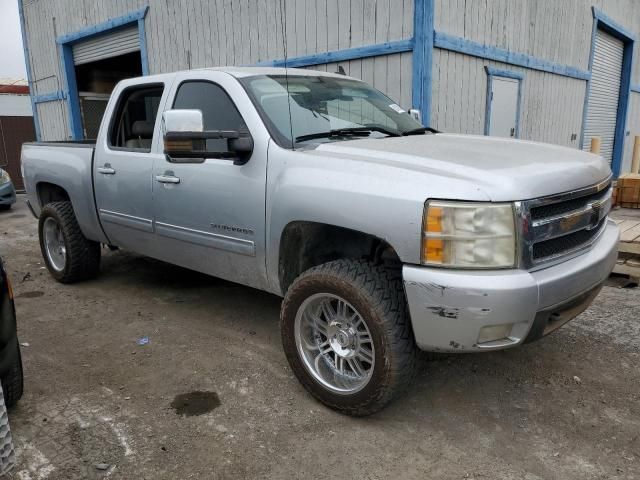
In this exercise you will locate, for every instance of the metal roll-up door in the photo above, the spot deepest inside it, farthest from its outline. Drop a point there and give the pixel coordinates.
(119, 42)
(602, 108)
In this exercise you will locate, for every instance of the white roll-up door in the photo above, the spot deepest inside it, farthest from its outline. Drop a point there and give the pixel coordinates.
(119, 42)
(602, 108)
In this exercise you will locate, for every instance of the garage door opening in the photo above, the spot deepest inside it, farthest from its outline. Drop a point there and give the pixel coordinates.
(604, 93)
(95, 82)
(99, 62)
(608, 89)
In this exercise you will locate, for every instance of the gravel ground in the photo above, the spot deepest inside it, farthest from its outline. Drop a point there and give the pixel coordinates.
(211, 395)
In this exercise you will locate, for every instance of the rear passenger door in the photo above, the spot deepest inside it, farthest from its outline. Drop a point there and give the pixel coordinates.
(210, 213)
(123, 166)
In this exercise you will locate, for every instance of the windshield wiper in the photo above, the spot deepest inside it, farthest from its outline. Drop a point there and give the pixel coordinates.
(420, 131)
(343, 132)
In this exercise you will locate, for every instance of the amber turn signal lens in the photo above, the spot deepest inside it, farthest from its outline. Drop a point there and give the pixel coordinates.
(432, 247)
(433, 250)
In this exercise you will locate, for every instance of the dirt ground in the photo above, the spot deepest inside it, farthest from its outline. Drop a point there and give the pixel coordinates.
(98, 404)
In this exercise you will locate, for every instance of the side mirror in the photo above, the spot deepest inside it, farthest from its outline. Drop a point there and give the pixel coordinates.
(182, 121)
(186, 141)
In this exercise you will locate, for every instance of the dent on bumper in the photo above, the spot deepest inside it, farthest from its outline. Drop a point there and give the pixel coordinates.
(449, 308)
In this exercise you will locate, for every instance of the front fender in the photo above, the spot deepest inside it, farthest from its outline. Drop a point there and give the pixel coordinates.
(343, 196)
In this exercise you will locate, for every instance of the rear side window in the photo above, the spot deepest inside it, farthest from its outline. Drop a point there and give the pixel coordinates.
(218, 110)
(135, 118)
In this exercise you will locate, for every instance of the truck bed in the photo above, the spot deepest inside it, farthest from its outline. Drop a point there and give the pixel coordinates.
(69, 167)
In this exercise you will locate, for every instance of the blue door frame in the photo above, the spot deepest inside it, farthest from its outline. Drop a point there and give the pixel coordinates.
(606, 24)
(66, 43)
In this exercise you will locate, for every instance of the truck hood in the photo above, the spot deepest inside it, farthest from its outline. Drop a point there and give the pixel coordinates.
(502, 169)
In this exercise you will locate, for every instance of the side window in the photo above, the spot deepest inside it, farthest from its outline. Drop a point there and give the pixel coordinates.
(135, 118)
(218, 110)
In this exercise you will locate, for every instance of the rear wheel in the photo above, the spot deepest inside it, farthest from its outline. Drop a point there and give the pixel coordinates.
(68, 254)
(347, 335)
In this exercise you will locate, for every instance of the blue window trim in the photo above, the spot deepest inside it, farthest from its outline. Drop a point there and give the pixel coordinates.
(487, 52)
(25, 49)
(605, 23)
(68, 68)
(387, 48)
(496, 72)
(49, 97)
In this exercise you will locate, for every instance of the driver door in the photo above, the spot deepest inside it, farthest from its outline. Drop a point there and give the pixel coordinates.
(210, 213)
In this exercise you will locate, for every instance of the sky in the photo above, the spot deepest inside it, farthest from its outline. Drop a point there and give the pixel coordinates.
(12, 59)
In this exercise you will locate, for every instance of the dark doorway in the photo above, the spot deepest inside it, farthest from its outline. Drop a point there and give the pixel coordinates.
(95, 82)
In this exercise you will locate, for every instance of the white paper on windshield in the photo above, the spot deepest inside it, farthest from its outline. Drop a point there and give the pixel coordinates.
(397, 108)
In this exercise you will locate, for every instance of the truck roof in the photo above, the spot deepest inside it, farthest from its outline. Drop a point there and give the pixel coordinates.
(242, 72)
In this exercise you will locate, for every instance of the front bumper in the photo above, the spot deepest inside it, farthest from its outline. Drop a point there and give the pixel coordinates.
(7, 194)
(456, 310)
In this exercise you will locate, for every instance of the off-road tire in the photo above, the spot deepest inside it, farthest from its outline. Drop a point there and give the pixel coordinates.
(7, 452)
(377, 294)
(82, 254)
(13, 381)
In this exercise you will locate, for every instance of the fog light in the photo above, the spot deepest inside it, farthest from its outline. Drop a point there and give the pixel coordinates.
(491, 333)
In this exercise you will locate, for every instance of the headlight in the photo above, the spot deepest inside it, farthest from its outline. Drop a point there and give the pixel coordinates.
(4, 177)
(469, 235)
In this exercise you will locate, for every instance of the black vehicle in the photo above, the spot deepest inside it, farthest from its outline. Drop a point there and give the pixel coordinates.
(10, 358)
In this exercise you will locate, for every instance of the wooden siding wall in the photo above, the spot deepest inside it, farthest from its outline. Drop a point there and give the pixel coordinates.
(184, 34)
(551, 104)
(556, 31)
(199, 33)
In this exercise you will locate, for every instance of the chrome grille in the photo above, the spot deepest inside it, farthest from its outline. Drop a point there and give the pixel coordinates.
(554, 228)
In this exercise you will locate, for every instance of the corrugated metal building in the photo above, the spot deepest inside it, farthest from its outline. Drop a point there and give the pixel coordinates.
(553, 71)
(16, 126)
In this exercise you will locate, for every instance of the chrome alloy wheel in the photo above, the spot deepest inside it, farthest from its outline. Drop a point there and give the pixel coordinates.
(54, 244)
(334, 343)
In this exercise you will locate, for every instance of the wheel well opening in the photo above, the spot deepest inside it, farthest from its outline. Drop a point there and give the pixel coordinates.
(49, 192)
(304, 245)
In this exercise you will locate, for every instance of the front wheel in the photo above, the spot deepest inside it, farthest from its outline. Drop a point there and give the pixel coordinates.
(68, 254)
(347, 335)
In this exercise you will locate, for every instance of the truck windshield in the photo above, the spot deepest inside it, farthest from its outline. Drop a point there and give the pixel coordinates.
(325, 109)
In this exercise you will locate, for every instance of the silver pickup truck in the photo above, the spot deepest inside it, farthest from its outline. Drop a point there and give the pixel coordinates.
(382, 236)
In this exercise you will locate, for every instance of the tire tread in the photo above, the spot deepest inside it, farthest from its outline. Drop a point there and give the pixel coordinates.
(13, 382)
(384, 292)
(83, 255)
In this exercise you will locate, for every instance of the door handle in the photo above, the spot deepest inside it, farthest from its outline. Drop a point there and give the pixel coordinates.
(167, 179)
(106, 169)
